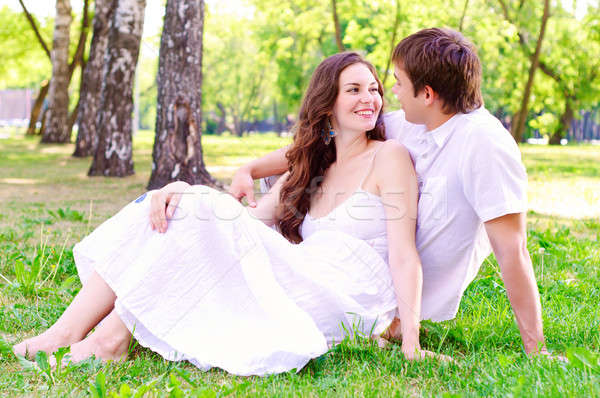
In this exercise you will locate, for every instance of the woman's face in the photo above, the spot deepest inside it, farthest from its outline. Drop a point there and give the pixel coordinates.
(358, 102)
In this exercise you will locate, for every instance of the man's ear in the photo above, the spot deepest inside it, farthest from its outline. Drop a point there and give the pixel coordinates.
(429, 95)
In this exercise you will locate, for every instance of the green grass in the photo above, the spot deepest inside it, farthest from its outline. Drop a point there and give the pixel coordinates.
(47, 203)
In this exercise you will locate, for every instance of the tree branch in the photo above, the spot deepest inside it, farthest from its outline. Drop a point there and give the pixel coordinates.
(35, 29)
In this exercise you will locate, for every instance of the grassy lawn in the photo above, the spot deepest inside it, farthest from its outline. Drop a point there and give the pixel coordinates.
(47, 204)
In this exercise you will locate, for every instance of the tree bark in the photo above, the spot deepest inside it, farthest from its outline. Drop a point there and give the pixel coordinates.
(518, 125)
(177, 153)
(338, 31)
(564, 123)
(91, 82)
(113, 156)
(58, 102)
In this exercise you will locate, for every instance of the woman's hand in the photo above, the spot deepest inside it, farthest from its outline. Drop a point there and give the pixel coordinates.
(163, 204)
(243, 185)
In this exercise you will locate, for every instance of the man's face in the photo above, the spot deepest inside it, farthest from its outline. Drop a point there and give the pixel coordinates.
(414, 108)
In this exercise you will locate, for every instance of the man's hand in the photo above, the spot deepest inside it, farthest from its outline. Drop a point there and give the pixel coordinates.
(242, 186)
(547, 354)
(163, 204)
(420, 354)
(412, 350)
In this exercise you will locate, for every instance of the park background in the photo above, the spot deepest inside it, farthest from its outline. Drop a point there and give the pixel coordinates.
(540, 59)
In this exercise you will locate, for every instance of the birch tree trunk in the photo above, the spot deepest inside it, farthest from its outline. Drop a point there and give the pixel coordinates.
(177, 153)
(113, 156)
(58, 102)
(91, 84)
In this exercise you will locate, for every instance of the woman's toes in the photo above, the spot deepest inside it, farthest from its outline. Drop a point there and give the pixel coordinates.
(49, 342)
(20, 349)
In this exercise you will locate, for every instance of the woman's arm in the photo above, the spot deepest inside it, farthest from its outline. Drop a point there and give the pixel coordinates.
(243, 181)
(397, 183)
(266, 209)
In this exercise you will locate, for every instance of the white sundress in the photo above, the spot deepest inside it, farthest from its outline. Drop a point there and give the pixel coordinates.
(222, 289)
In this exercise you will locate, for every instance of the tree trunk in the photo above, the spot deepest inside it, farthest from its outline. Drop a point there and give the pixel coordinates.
(462, 17)
(338, 31)
(177, 152)
(91, 82)
(276, 119)
(37, 107)
(565, 122)
(113, 156)
(392, 42)
(238, 128)
(73, 115)
(34, 116)
(222, 126)
(518, 125)
(58, 102)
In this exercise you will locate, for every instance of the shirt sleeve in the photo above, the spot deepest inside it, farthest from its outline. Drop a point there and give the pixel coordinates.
(493, 177)
(394, 124)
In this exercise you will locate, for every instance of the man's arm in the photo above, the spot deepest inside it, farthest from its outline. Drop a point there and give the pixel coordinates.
(508, 237)
(242, 183)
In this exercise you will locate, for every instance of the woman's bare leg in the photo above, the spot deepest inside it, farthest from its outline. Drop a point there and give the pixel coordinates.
(109, 341)
(93, 302)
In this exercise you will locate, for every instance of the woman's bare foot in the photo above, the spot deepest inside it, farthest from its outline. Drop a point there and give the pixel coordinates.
(109, 341)
(49, 341)
(106, 348)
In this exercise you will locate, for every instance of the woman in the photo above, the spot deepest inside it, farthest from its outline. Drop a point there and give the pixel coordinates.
(218, 287)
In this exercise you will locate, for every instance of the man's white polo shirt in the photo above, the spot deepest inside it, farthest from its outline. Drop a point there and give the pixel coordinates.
(469, 171)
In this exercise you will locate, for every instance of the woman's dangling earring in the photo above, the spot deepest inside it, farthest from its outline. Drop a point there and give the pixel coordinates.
(329, 134)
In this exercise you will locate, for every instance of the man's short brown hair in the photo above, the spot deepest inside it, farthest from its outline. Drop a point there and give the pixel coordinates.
(445, 61)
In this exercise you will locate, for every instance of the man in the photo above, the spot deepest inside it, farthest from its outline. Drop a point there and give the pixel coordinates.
(471, 179)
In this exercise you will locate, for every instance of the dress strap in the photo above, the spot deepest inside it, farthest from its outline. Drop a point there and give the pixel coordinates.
(360, 186)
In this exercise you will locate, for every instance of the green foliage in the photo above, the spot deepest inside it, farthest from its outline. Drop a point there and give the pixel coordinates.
(258, 61)
(67, 214)
(24, 62)
(238, 78)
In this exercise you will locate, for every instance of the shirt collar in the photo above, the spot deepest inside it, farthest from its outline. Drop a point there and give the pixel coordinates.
(440, 134)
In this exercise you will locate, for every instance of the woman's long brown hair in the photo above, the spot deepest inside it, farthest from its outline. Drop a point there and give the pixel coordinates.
(309, 157)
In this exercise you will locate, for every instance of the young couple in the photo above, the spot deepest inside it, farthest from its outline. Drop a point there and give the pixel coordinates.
(195, 276)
